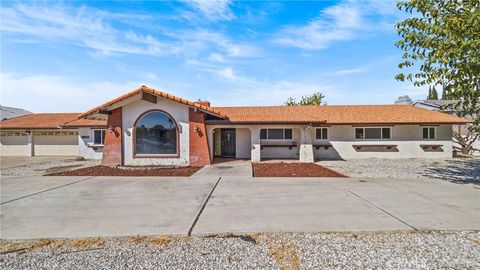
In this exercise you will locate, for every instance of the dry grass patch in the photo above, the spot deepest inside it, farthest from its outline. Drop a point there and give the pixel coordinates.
(281, 251)
(155, 240)
(12, 246)
(88, 242)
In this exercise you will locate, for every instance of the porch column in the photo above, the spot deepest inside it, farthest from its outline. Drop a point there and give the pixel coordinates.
(255, 141)
(30, 144)
(306, 147)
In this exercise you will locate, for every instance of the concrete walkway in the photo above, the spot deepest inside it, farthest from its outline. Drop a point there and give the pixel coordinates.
(237, 167)
(56, 207)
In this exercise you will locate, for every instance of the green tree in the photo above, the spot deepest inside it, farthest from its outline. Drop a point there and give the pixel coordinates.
(432, 94)
(444, 95)
(440, 43)
(314, 99)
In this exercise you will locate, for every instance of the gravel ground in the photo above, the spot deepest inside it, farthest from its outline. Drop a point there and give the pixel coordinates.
(50, 167)
(382, 250)
(462, 170)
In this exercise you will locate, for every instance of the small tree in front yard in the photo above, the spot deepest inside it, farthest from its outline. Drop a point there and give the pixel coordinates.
(465, 140)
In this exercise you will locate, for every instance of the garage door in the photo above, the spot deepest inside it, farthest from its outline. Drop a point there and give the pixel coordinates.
(55, 143)
(14, 143)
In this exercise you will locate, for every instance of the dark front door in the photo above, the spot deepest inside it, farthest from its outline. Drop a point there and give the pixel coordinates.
(228, 142)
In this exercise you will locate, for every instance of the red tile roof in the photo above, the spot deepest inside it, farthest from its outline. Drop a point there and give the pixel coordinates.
(155, 92)
(49, 121)
(339, 114)
(329, 114)
(85, 123)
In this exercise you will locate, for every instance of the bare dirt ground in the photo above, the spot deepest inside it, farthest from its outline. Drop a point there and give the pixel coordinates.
(289, 169)
(132, 171)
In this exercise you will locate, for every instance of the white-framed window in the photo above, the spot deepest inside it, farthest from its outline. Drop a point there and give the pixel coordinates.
(13, 133)
(429, 133)
(373, 133)
(276, 134)
(55, 133)
(98, 136)
(321, 133)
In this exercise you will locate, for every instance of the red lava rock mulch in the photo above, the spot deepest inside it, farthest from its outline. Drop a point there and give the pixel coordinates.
(292, 170)
(140, 171)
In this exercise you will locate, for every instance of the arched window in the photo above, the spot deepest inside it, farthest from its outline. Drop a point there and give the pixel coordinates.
(156, 133)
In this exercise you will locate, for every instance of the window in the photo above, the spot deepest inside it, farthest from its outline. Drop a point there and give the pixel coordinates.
(98, 136)
(428, 133)
(13, 133)
(276, 134)
(156, 133)
(263, 134)
(373, 133)
(288, 134)
(322, 133)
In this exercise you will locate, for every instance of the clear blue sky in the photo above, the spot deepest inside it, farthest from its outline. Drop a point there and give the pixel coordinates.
(70, 56)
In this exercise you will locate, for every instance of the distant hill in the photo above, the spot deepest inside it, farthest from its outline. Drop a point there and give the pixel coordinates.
(10, 112)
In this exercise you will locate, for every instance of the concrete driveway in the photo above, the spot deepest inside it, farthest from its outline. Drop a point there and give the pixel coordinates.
(40, 207)
(11, 162)
(100, 206)
(314, 205)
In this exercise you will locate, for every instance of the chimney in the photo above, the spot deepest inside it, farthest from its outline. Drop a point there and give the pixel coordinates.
(203, 102)
(404, 100)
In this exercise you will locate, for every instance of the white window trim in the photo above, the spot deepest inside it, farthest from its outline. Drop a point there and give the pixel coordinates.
(381, 133)
(429, 127)
(328, 134)
(93, 142)
(278, 140)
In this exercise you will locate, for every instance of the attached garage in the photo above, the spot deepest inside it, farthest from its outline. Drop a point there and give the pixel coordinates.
(46, 134)
(14, 143)
(55, 143)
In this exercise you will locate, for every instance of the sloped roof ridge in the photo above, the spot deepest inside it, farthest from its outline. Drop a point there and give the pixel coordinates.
(155, 92)
(289, 106)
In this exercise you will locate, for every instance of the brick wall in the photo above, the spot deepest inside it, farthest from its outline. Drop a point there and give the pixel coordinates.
(112, 149)
(199, 150)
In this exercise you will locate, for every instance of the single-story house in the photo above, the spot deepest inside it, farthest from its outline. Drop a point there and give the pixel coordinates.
(446, 107)
(151, 127)
(52, 134)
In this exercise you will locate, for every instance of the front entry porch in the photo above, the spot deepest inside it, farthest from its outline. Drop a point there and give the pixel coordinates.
(261, 143)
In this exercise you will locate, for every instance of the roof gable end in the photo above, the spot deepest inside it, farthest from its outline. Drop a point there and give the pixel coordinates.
(130, 97)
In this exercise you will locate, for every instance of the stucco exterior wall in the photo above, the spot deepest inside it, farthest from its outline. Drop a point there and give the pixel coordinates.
(218, 143)
(243, 137)
(282, 152)
(242, 140)
(179, 112)
(248, 142)
(408, 139)
(243, 143)
(86, 148)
